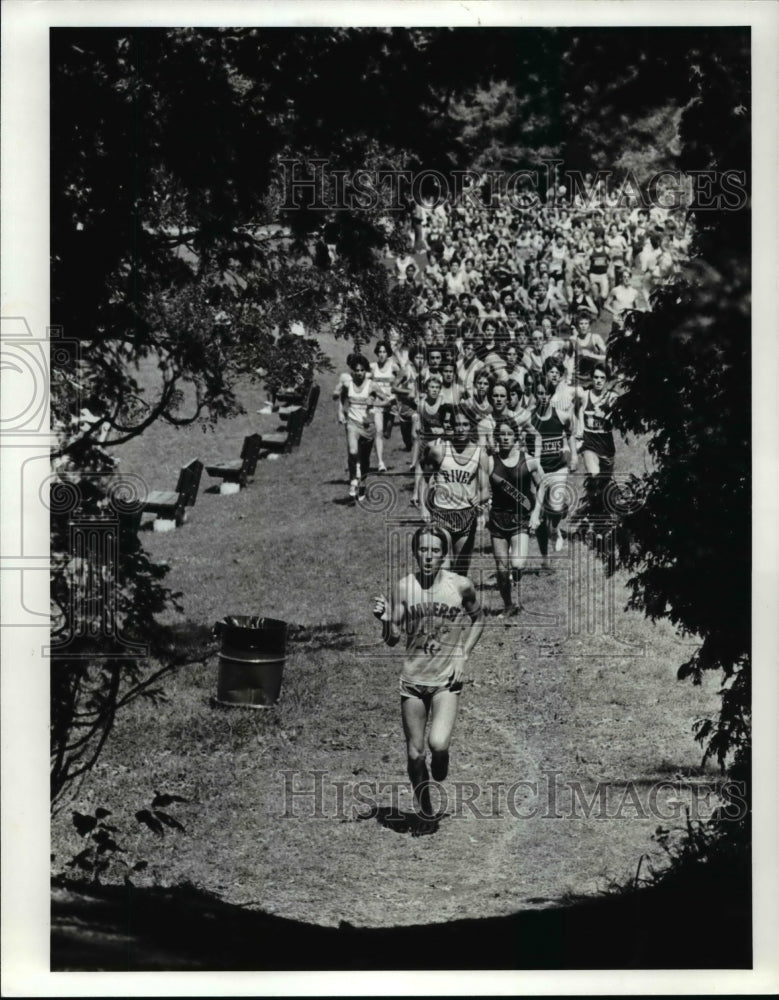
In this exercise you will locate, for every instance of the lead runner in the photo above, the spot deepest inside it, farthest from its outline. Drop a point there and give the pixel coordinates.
(443, 621)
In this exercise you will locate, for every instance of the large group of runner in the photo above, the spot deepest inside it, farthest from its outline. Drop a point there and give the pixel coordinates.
(506, 390)
(508, 387)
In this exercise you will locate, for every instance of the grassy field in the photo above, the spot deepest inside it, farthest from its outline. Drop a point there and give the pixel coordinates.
(544, 705)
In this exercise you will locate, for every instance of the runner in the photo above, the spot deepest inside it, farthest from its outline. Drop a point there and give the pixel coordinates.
(428, 428)
(499, 401)
(468, 365)
(458, 489)
(407, 389)
(589, 348)
(555, 427)
(355, 396)
(622, 300)
(443, 621)
(597, 446)
(600, 261)
(384, 371)
(533, 358)
(513, 512)
(477, 404)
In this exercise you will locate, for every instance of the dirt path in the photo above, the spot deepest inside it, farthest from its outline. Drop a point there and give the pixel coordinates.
(545, 706)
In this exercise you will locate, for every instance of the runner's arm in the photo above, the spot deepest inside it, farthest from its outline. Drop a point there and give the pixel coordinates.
(571, 431)
(431, 460)
(472, 607)
(483, 474)
(391, 614)
(340, 396)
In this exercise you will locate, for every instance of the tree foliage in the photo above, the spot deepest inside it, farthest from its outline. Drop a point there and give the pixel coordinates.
(172, 249)
(687, 367)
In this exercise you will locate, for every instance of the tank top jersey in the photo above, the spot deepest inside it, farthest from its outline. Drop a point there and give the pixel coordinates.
(598, 436)
(359, 403)
(466, 373)
(558, 255)
(578, 301)
(476, 409)
(408, 392)
(455, 482)
(382, 378)
(533, 361)
(599, 261)
(552, 431)
(435, 622)
(584, 366)
(430, 425)
(512, 488)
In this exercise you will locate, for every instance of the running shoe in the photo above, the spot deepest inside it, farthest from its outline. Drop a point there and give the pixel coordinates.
(559, 542)
(353, 489)
(382, 467)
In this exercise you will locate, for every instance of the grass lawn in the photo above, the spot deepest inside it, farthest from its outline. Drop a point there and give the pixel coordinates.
(545, 705)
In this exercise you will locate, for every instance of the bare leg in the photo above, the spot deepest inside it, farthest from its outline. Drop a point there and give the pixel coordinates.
(414, 715)
(442, 720)
(500, 549)
(462, 547)
(518, 550)
(378, 419)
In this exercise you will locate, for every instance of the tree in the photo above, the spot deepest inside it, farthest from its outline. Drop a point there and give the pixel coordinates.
(176, 239)
(690, 541)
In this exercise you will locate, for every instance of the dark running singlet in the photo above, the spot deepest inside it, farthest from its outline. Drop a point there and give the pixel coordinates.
(598, 436)
(512, 500)
(584, 365)
(552, 431)
(430, 425)
(599, 261)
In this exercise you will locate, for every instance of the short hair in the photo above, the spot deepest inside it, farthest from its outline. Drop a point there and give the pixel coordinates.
(513, 386)
(459, 411)
(539, 382)
(430, 529)
(554, 361)
(384, 344)
(357, 360)
(602, 367)
(509, 422)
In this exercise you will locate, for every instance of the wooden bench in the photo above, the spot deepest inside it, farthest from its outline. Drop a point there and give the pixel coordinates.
(239, 470)
(284, 441)
(306, 396)
(294, 395)
(313, 399)
(171, 505)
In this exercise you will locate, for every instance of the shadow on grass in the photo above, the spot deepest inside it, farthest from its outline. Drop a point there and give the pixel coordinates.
(401, 821)
(328, 635)
(124, 928)
(194, 641)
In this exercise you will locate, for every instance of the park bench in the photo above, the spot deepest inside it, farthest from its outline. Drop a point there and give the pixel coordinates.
(170, 505)
(240, 470)
(313, 399)
(306, 395)
(284, 441)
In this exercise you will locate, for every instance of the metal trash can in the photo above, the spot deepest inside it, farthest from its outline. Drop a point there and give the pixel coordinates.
(251, 661)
